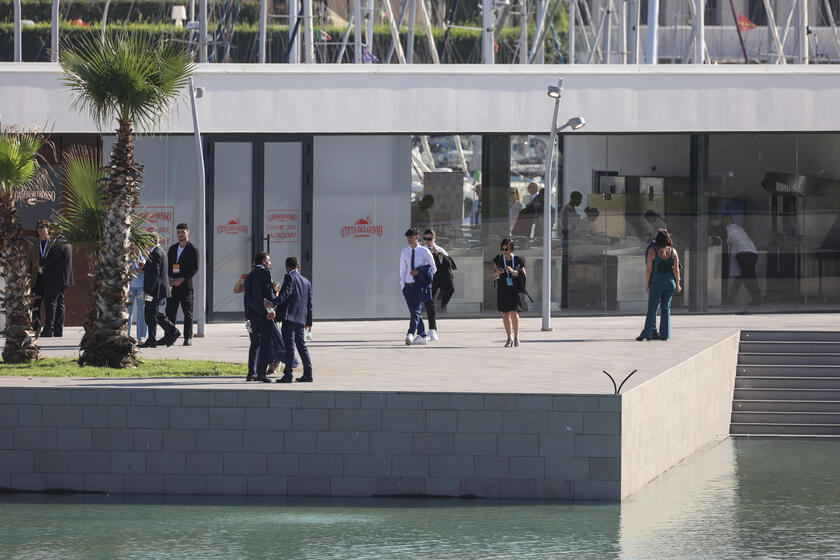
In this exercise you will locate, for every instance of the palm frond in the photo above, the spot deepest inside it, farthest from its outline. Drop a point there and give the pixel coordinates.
(131, 77)
(20, 164)
(81, 220)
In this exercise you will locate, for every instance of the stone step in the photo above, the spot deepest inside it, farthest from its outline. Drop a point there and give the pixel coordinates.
(826, 418)
(787, 347)
(789, 371)
(784, 429)
(785, 359)
(804, 406)
(776, 393)
(759, 382)
(791, 336)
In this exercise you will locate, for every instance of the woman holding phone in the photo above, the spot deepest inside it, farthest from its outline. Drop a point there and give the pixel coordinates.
(509, 275)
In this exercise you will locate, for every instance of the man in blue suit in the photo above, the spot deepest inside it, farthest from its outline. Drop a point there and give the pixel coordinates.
(294, 304)
(258, 291)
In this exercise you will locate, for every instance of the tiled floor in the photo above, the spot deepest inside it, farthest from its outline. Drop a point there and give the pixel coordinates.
(469, 357)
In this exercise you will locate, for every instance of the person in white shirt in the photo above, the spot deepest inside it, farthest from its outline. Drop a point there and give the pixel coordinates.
(417, 269)
(746, 254)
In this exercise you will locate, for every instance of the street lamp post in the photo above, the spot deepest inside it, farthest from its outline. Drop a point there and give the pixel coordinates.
(574, 123)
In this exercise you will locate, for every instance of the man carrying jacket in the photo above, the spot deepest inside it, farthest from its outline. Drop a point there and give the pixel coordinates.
(294, 307)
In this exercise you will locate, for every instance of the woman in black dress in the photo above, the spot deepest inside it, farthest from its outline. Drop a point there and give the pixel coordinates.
(509, 275)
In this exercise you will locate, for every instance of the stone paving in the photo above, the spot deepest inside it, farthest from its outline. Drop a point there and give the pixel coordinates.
(469, 357)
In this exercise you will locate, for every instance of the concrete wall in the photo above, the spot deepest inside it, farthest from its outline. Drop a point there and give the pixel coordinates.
(310, 443)
(676, 413)
(373, 98)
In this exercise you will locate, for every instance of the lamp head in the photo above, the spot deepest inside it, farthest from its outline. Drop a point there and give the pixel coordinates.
(576, 122)
(199, 92)
(555, 91)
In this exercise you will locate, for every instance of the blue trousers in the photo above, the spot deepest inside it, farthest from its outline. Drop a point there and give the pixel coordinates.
(662, 287)
(293, 337)
(414, 302)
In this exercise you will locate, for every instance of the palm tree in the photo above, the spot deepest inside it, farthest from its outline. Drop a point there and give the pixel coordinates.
(19, 168)
(135, 80)
(81, 220)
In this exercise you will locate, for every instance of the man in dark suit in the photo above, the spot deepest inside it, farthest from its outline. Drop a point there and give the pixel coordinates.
(182, 258)
(294, 304)
(156, 288)
(52, 274)
(258, 291)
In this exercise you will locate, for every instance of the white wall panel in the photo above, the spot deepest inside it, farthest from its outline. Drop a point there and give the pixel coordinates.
(356, 265)
(370, 98)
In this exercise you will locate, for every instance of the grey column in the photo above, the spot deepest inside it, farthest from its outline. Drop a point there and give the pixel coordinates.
(699, 246)
(653, 32)
(17, 39)
(488, 28)
(699, 31)
(495, 199)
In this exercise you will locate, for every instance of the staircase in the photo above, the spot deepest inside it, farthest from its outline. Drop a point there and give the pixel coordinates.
(787, 384)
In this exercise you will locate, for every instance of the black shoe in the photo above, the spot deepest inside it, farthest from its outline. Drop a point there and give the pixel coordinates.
(150, 343)
(46, 334)
(655, 335)
(263, 379)
(251, 377)
(285, 379)
(641, 338)
(170, 339)
(58, 334)
(187, 342)
(304, 379)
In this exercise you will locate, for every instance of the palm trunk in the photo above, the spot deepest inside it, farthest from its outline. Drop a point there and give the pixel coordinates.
(20, 344)
(107, 342)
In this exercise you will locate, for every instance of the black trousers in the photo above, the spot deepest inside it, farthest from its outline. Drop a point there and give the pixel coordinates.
(53, 303)
(252, 350)
(183, 297)
(154, 317)
(746, 261)
(431, 314)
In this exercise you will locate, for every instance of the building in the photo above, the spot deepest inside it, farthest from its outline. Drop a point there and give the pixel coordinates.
(325, 162)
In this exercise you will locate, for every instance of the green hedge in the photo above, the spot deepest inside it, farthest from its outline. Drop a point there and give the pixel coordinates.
(464, 45)
(150, 11)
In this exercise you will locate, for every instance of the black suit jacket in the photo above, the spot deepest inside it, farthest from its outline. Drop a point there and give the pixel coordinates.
(257, 288)
(188, 263)
(295, 299)
(154, 278)
(57, 267)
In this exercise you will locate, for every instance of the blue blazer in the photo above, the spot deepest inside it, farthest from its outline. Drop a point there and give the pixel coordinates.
(257, 288)
(294, 304)
(423, 281)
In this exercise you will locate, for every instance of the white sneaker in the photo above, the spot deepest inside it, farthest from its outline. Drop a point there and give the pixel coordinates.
(433, 335)
(408, 339)
(420, 340)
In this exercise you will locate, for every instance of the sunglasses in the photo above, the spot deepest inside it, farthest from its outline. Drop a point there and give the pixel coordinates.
(505, 249)
(428, 238)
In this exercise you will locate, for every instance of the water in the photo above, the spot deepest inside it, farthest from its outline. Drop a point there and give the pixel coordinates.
(738, 499)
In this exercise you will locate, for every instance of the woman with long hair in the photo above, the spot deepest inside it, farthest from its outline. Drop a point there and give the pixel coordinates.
(509, 275)
(663, 280)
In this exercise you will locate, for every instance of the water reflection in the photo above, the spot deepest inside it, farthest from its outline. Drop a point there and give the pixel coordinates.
(737, 499)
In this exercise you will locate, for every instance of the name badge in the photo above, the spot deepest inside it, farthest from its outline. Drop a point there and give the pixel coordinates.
(176, 268)
(509, 281)
(40, 270)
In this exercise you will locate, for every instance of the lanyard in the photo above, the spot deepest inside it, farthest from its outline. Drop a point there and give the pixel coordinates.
(45, 246)
(504, 263)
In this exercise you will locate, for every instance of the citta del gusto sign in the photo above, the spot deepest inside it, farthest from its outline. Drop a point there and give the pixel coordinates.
(363, 227)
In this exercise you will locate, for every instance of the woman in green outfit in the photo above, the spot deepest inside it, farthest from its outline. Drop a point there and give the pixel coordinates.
(663, 280)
